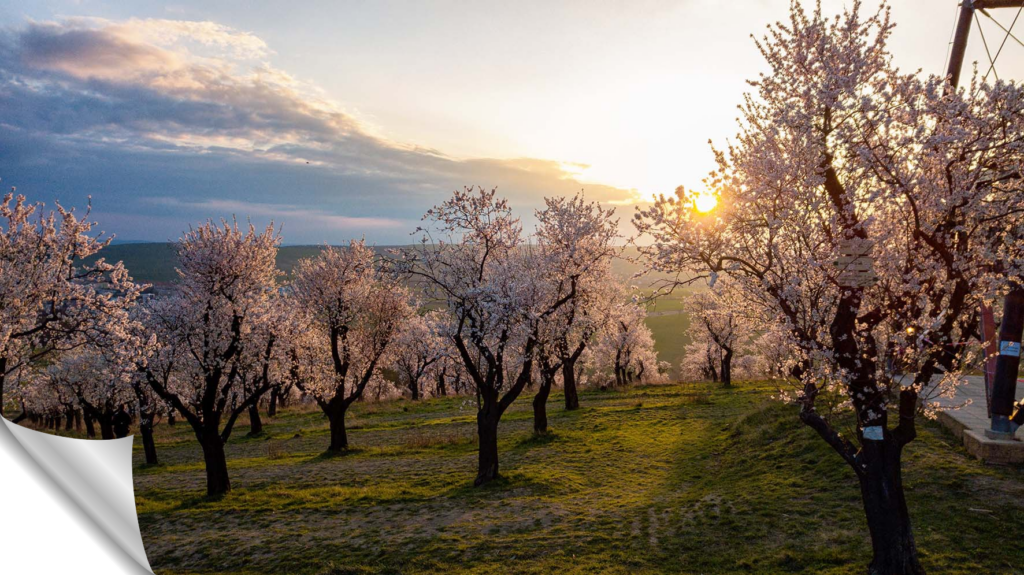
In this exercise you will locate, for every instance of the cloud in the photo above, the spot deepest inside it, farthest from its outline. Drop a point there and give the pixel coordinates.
(144, 109)
(318, 218)
(171, 32)
(85, 53)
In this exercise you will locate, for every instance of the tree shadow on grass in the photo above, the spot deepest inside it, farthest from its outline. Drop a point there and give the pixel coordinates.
(336, 455)
(537, 440)
(512, 483)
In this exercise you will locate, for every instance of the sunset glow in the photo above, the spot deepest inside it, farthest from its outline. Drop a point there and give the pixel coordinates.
(704, 202)
(367, 112)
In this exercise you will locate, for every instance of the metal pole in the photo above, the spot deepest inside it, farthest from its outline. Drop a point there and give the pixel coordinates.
(983, 4)
(1007, 365)
(1004, 384)
(963, 30)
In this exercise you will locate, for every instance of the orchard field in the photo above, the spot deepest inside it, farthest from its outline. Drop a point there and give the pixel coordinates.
(687, 478)
(854, 242)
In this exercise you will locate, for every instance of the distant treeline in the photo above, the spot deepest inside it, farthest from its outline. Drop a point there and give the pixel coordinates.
(155, 262)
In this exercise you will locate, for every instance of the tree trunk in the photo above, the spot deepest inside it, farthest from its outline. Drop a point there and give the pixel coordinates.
(148, 445)
(69, 419)
(217, 482)
(336, 415)
(572, 397)
(3, 376)
(487, 431)
(881, 486)
(90, 429)
(255, 423)
(106, 426)
(170, 417)
(727, 368)
(442, 390)
(540, 405)
(414, 388)
(272, 410)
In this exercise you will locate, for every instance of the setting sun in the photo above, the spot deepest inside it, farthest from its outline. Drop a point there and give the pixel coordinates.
(704, 202)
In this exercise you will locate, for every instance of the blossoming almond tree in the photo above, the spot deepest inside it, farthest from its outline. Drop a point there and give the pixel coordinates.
(48, 297)
(625, 346)
(869, 213)
(494, 288)
(420, 350)
(719, 326)
(356, 309)
(259, 363)
(226, 278)
(576, 239)
(98, 386)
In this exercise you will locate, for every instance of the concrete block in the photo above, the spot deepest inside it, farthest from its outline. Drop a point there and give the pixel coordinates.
(993, 450)
(952, 423)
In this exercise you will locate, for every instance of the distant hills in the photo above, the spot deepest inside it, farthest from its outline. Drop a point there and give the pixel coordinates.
(155, 262)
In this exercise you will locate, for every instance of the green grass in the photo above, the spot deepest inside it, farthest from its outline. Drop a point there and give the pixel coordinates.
(685, 479)
(670, 334)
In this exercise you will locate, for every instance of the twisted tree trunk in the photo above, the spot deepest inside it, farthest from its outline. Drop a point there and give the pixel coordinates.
(572, 397)
(148, 444)
(272, 410)
(540, 405)
(442, 389)
(217, 481)
(255, 423)
(727, 367)
(3, 376)
(90, 429)
(335, 411)
(106, 425)
(487, 431)
(881, 487)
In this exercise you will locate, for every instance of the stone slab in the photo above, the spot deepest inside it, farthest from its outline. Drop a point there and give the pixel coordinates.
(968, 423)
(992, 450)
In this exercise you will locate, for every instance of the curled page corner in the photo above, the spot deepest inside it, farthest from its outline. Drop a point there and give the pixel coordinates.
(97, 476)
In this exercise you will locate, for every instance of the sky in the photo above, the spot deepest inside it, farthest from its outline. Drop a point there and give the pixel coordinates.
(350, 119)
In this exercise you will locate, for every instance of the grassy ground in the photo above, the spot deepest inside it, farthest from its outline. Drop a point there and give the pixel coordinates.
(671, 334)
(660, 479)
